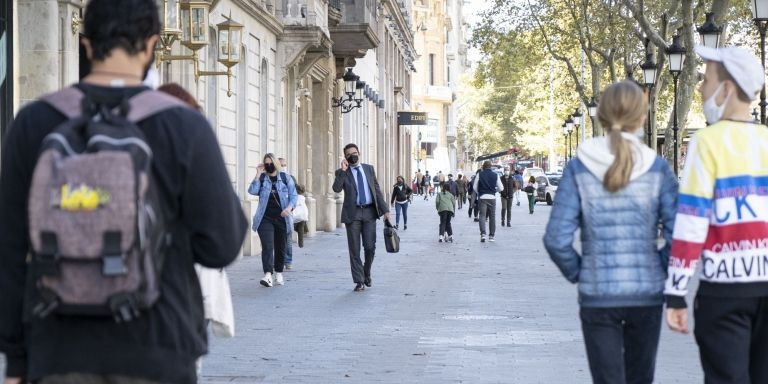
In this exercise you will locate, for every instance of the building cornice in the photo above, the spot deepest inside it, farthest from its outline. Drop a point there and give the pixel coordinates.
(259, 13)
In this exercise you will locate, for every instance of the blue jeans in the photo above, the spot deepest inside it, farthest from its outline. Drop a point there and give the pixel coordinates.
(398, 209)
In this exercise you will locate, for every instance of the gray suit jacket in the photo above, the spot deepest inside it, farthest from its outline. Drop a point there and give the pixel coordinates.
(345, 181)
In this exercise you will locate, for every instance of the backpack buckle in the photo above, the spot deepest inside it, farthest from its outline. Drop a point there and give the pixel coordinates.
(124, 307)
(112, 255)
(48, 303)
(113, 265)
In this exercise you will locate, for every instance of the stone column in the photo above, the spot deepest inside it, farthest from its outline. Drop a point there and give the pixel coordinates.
(48, 49)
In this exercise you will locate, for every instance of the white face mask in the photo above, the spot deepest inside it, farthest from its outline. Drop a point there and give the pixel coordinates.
(712, 112)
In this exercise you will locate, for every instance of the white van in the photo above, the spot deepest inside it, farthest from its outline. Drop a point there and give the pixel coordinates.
(528, 172)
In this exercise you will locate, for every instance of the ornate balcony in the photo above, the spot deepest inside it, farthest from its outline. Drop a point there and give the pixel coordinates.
(439, 93)
(306, 13)
(356, 33)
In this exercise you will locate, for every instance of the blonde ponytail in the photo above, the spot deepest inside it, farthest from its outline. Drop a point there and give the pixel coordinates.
(617, 176)
(623, 107)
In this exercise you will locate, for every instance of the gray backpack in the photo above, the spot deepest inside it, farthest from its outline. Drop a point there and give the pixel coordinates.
(96, 225)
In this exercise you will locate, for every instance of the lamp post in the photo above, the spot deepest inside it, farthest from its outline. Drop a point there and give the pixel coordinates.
(577, 122)
(760, 16)
(592, 108)
(569, 129)
(710, 32)
(650, 70)
(565, 143)
(676, 53)
(755, 115)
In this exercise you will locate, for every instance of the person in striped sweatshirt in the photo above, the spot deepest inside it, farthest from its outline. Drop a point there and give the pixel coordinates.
(722, 224)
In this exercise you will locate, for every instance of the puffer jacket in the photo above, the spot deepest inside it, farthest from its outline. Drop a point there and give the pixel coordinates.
(623, 261)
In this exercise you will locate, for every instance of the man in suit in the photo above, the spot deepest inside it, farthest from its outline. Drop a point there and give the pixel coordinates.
(363, 205)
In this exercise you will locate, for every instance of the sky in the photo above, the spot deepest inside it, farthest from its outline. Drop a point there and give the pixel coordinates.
(472, 10)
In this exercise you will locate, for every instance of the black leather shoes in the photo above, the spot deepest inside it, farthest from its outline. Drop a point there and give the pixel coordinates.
(368, 282)
(359, 287)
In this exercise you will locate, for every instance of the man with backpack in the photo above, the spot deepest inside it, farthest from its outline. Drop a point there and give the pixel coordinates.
(486, 184)
(425, 183)
(113, 209)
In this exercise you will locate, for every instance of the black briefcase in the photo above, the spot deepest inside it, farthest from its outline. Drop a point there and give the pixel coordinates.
(391, 238)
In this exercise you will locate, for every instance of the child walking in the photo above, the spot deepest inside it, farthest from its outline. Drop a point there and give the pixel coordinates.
(530, 190)
(446, 208)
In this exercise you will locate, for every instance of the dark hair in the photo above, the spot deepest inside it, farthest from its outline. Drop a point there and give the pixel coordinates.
(180, 93)
(531, 179)
(126, 24)
(723, 75)
(487, 164)
(442, 186)
(351, 145)
(300, 189)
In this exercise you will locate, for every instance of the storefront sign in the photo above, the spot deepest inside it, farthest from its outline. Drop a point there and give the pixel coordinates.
(412, 118)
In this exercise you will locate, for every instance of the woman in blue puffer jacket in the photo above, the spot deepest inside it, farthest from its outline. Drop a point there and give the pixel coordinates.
(623, 198)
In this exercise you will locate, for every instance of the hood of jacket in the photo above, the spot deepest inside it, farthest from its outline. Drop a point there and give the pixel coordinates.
(597, 156)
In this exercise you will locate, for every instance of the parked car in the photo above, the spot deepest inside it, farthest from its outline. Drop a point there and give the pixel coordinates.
(534, 171)
(551, 189)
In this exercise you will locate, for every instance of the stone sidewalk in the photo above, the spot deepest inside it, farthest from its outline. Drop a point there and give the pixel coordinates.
(437, 313)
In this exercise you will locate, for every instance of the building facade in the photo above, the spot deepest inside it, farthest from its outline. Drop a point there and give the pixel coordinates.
(441, 45)
(279, 96)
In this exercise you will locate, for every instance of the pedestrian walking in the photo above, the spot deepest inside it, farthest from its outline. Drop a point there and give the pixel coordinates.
(214, 282)
(473, 197)
(621, 271)
(446, 209)
(273, 221)
(462, 186)
(487, 183)
(419, 180)
(300, 216)
(722, 222)
(507, 196)
(288, 264)
(401, 198)
(426, 183)
(76, 335)
(519, 179)
(363, 205)
(453, 188)
(530, 191)
(436, 180)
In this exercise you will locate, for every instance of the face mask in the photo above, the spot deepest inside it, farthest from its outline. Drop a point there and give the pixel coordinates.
(269, 168)
(400, 182)
(506, 173)
(352, 159)
(712, 112)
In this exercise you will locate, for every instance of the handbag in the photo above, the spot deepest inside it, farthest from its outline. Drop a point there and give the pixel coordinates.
(300, 213)
(391, 238)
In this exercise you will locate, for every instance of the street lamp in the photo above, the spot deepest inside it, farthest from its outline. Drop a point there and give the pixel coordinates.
(353, 93)
(760, 17)
(577, 122)
(676, 53)
(565, 142)
(592, 108)
(650, 70)
(755, 116)
(710, 32)
(169, 16)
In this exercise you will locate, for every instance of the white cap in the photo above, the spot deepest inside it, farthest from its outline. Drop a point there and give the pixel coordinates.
(742, 65)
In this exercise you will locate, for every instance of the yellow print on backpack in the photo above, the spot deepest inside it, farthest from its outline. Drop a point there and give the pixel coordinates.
(82, 198)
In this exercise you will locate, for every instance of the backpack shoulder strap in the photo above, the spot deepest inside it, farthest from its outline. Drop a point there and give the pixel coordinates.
(68, 101)
(148, 103)
(284, 177)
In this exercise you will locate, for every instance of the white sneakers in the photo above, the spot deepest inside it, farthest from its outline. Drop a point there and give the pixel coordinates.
(440, 239)
(267, 279)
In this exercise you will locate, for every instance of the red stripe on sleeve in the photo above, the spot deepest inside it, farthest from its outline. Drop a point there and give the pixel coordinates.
(685, 252)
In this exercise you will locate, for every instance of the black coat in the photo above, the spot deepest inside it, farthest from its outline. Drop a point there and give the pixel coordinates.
(345, 181)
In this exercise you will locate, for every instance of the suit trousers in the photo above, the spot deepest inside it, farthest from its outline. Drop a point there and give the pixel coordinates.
(362, 229)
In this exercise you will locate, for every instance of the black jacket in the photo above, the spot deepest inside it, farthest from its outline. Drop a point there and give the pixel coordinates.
(208, 227)
(346, 182)
(401, 194)
(510, 184)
